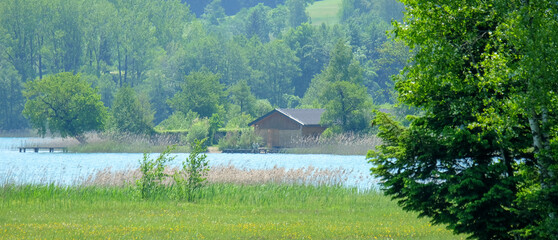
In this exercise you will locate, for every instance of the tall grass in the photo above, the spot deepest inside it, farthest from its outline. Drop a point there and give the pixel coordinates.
(341, 144)
(18, 133)
(228, 174)
(225, 211)
(109, 142)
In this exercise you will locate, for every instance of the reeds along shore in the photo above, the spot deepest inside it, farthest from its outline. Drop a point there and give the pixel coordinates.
(340, 144)
(232, 175)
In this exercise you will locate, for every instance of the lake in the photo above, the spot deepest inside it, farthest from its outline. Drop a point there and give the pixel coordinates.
(67, 168)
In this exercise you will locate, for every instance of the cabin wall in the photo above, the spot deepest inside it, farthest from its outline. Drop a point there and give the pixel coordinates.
(275, 138)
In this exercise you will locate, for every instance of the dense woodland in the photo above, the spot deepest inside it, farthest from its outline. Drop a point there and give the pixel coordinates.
(233, 60)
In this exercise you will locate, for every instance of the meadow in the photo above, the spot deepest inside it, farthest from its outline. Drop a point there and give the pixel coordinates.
(235, 204)
(326, 11)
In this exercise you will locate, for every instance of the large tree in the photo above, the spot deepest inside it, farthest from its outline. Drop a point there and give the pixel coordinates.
(200, 92)
(347, 105)
(130, 114)
(65, 104)
(482, 158)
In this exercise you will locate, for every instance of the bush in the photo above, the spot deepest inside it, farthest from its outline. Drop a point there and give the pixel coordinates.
(198, 131)
(244, 139)
(178, 121)
(153, 174)
(193, 175)
(187, 181)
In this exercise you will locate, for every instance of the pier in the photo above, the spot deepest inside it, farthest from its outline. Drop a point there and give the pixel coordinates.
(37, 149)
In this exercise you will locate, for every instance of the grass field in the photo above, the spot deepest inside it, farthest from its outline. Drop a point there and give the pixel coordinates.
(225, 211)
(325, 11)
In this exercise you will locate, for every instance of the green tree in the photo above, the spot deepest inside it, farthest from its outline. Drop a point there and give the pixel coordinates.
(342, 67)
(98, 23)
(297, 12)
(64, 103)
(347, 105)
(482, 157)
(131, 115)
(257, 23)
(135, 42)
(241, 95)
(11, 99)
(213, 13)
(200, 92)
(19, 20)
(311, 53)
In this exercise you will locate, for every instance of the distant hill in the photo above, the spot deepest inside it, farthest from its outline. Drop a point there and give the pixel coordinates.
(325, 11)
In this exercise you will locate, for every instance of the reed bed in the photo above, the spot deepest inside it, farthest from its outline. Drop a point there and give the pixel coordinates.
(228, 174)
(108, 142)
(18, 133)
(341, 144)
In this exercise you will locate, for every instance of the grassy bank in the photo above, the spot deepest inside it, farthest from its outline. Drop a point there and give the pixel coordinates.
(226, 211)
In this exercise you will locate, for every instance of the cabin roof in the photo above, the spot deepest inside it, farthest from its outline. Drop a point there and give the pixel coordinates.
(305, 117)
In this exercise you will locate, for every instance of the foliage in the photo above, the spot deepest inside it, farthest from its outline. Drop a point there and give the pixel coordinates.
(215, 123)
(243, 139)
(342, 67)
(153, 173)
(64, 103)
(239, 121)
(201, 93)
(347, 105)
(129, 114)
(297, 12)
(192, 176)
(481, 158)
(178, 121)
(241, 95)
(11, 99)
(198, 131)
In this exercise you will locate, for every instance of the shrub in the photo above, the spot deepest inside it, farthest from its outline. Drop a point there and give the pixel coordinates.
(153, 173)
(198, 131)
(178, 121)
(244, 139)
(193, 175)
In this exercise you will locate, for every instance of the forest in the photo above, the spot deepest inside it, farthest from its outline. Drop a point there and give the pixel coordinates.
(160, 63)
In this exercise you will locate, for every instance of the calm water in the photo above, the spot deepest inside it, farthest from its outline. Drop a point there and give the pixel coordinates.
(67, 168)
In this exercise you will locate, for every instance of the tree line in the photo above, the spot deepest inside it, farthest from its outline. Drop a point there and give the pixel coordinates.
(240, 65)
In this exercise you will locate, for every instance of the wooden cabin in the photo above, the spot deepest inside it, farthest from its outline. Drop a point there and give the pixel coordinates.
(281, 126)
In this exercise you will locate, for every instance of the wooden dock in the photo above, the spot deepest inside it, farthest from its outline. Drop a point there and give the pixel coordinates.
(49, 149)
